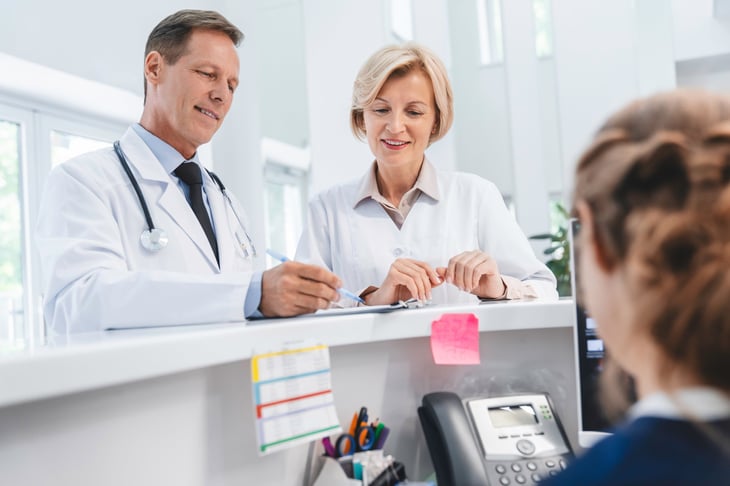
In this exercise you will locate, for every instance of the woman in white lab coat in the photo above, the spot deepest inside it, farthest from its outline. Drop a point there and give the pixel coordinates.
(405, 227)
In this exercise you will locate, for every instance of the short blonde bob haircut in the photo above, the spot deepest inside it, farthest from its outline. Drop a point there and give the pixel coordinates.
(396, 61)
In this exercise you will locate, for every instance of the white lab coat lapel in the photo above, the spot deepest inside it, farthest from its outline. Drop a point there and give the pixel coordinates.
(172, 200)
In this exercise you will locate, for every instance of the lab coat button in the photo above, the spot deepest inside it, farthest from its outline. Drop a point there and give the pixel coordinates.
(397, 252)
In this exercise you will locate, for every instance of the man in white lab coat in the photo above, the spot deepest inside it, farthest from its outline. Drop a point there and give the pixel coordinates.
(100, 270)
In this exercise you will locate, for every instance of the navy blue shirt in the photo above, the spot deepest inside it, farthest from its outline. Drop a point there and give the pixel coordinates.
(653, 451)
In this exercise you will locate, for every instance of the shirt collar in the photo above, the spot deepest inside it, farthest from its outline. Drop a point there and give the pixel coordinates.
(168, 156)
(703, 403)
(427, 183)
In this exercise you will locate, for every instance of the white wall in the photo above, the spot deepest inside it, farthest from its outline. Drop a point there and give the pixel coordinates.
(336, 155)
(594, 62)
(696, 32)
(280, 71)
(507, 124)
(480, 97)
(550, 125)
(602, 63)
(711, 73)
(655, 51)
(523, 93)
(702, 45)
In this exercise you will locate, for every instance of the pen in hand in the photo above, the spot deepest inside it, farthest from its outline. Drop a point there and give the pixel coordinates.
(343, 292)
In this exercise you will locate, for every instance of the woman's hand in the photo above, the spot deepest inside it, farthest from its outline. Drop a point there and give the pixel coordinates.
(474, 272)
(406, 279)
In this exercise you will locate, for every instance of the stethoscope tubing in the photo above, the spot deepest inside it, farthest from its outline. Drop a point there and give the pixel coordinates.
(135, 185)
(143, 202)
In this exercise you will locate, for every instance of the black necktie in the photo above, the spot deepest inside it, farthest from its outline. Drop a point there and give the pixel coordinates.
(189, 173)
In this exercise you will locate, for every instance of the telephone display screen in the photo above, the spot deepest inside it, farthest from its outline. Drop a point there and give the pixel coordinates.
(512, 416)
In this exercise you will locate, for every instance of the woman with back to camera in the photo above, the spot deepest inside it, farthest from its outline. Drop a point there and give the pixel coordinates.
(653, 197)
(405, 227)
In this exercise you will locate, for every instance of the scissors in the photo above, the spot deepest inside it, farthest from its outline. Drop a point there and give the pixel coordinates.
(361, 437)
(348, 444)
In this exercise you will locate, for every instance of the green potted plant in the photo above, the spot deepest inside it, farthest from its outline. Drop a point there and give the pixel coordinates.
(559, 249)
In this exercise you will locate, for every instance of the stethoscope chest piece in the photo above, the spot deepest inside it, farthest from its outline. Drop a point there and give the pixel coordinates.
(153, 240)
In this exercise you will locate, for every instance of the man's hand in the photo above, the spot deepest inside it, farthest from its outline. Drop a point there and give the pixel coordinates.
(294, 288)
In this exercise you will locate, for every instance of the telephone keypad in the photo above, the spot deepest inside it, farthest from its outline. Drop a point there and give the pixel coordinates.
(526, 472)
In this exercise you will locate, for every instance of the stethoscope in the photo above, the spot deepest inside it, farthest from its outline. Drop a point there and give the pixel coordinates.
(154, 239)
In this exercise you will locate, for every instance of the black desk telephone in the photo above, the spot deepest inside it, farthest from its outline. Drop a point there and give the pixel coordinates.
(509, 440)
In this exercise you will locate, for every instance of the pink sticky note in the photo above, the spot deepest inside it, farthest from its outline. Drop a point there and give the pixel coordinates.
(455, 339)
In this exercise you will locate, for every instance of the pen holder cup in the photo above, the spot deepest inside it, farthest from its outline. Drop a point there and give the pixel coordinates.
(338, 472)
(328, 471)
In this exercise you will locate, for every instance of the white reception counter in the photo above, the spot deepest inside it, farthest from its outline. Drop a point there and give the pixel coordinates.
(174, 405)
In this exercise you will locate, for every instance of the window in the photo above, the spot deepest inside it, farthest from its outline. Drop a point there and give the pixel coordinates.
(41, 125)
(285, 202)
(12, 330)
(489, 18)
(401, 20)
(65, 146)
(543, 28)
(31, 142)
(286, 176)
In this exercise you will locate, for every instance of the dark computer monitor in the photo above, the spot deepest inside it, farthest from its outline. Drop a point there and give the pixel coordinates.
(589, 355)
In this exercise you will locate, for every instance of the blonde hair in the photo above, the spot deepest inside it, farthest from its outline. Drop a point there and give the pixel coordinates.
(396, 61)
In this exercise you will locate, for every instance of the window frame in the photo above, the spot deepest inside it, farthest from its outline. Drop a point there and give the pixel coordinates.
(38, 113)
(490, 31)
(26, 131)
(285, 164)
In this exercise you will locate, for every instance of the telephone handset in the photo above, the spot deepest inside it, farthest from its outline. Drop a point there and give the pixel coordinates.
(506, 440)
